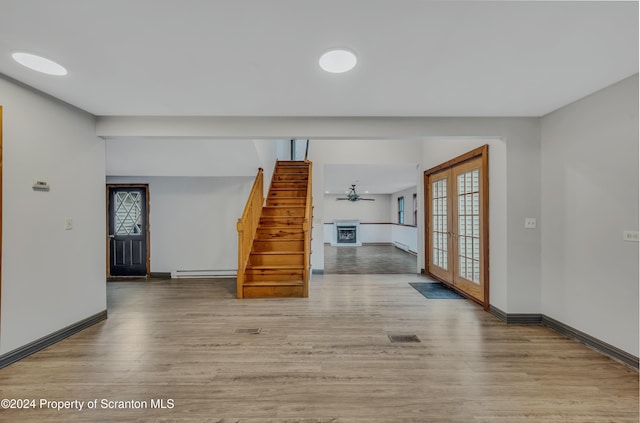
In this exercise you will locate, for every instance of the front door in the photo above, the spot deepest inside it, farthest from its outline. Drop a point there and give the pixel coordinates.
(128, 231)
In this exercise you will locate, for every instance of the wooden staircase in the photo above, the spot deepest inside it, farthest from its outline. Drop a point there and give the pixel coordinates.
(278, 260)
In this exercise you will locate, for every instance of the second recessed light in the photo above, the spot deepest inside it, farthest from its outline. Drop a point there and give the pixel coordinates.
(338, 61)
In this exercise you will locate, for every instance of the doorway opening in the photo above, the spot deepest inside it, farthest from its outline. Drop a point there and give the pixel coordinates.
(369, 225)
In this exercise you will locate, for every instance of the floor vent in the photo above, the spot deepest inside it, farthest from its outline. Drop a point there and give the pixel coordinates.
(403, 338)
(250, 331)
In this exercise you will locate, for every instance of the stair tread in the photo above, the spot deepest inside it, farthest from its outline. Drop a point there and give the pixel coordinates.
(284, 207)
(281, 227)
(275, 240)
(302, 167)
(298, 225)
(274, 283)
(281, 217)
(275, 266)
(284, 252)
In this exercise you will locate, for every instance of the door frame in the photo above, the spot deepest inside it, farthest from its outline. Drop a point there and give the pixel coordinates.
(1, 131)
(482, 152)
(148, 225)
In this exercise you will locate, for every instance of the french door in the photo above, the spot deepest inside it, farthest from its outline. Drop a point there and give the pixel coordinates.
(457, 224)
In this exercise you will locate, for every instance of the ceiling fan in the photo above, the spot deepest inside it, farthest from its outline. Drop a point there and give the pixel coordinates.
(352, 195)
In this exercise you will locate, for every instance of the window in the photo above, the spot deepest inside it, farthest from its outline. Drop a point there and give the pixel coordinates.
(401, 210)
(415, 209)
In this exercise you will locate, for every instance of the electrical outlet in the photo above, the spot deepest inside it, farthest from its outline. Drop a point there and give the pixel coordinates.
(530, 222)
(630, 236)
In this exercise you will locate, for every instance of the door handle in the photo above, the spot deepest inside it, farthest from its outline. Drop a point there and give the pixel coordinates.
(111, 236)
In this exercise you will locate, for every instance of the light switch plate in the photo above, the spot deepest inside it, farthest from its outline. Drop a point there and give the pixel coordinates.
(631, 236)
(530, 222)
(68, 224)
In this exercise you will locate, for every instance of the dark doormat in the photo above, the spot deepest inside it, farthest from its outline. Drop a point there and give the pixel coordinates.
(436, 291)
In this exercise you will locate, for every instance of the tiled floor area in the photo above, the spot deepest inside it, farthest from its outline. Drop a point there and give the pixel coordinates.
(368, 259)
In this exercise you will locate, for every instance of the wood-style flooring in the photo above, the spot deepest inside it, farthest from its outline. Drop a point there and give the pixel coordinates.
(368, 259)
(326, 358)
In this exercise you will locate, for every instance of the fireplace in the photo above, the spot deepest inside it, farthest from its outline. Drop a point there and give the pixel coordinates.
(346, 233)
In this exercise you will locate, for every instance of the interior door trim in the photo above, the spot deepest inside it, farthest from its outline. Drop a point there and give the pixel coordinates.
(482, 152)
(1, 206)
(148, 234)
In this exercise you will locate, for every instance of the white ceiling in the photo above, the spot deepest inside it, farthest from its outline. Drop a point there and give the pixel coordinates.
(259, 58)
(377, 178)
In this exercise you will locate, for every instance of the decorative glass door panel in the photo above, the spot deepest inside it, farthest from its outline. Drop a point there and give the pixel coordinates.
(128, 213)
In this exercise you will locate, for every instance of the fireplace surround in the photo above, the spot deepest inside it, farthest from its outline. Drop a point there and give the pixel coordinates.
(347, 233)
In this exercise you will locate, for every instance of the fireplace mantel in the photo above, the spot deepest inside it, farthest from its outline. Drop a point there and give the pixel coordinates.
(346, 225)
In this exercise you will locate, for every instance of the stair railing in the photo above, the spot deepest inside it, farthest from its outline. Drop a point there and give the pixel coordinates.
(307, 227)
(247, 226)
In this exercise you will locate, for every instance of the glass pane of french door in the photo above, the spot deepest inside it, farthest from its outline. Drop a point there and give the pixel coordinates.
(440, 224)
(467, 196)
(469, 225)
(440, 258)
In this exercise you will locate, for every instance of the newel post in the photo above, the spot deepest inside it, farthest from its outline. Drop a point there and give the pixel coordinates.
(240, 274)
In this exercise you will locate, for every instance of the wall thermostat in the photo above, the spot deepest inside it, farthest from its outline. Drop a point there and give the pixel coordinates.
(40, 185)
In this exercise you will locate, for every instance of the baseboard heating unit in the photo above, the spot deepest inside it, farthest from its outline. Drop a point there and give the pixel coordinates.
(226, 273)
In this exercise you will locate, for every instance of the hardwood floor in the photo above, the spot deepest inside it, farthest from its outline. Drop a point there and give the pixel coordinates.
(326, 358)
(368, 259)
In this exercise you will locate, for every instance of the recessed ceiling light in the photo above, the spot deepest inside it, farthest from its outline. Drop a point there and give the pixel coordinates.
(338, 61)
(39, 64)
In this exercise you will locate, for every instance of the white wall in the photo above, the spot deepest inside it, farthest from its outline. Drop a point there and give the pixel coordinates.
(176, 156)
(364, 211)
(408, 205)
(404, 236)
(193, 221)
(51, 277)
(590, 196)
(267, 151)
